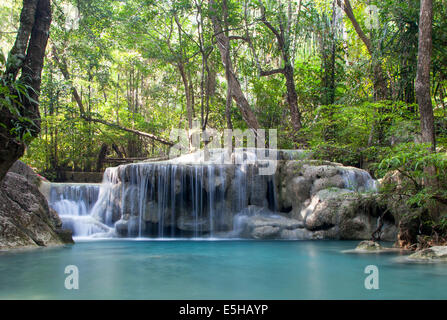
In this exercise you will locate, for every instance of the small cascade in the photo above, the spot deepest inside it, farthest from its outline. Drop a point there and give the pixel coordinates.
(359, 180)
(73, 199)
(74, 203)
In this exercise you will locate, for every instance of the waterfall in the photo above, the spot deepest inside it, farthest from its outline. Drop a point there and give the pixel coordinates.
(359, 180)
(182, 197)
(167, 199)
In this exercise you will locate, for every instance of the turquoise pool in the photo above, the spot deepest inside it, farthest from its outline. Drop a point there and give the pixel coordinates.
(185, 269)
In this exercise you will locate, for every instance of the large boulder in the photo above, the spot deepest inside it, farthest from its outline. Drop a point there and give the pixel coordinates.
(407, 217)
(344, 214)
(25, 217)
(300, 181)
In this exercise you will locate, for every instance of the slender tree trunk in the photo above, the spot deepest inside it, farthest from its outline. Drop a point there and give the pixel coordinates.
(423, 95)
(422, 84)
(287, 70)
(186, 78)
(228, 109)
(292, 98)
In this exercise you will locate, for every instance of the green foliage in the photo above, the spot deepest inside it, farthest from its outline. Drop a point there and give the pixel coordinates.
(124, 60)
(357, 134)
(13, 96)
(422, 186)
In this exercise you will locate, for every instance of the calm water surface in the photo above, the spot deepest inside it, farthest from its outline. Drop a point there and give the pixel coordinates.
(137, 269)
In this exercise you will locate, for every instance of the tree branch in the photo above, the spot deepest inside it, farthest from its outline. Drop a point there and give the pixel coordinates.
(140, 133)
(238, 38)
(63, 68)
(346, 6)
(270, 72)
(278, 36)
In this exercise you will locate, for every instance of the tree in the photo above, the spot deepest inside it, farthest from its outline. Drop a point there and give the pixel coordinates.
(423, 95)
(20, 120)
(62, 65)
(422, 85)
(283, 36)
(234, 87)
(380, 83)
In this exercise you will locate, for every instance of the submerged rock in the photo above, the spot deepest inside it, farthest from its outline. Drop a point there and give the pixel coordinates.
(25, 217)
(369, 246)
(432, 254)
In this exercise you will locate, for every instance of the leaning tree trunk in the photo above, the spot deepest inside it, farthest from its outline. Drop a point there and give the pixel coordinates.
(20, 121)
(223, 43)
(379, 79)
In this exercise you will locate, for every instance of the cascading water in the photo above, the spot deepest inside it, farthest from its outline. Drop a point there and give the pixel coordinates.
(359, 180)
(74, 203)
(159, 200)
(176, 198)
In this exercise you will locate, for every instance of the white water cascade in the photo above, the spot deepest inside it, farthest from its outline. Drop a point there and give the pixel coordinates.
(74, 204)
(176, 198)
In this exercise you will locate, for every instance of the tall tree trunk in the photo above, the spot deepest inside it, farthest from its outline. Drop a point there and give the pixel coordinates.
(422, 85)
(186, 77)
(228, 109)
(189, 110)
(223, 43)
(287, 70)
(423, 96)
(292, 97)
(31, 39)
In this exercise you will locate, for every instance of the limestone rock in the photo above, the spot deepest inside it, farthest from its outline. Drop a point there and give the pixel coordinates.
(25, 217)
(300, 234)
(369, 246)
(324, 206)
(265, 232)
(355, 215)
(190, 224)
(260, 223)
(432, 254)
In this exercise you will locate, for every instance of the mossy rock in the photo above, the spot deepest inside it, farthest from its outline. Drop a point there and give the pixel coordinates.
(368, 245)
(432, 254)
